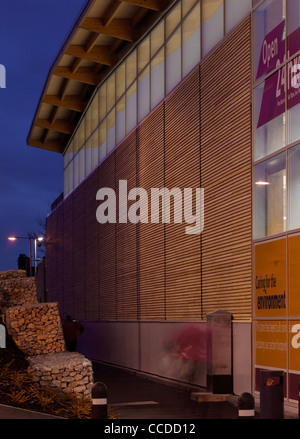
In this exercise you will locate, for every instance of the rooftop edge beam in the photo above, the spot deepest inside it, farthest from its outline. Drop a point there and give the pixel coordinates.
(84, 75)
(50, 145)
(117, 28)
(58, 125)
(99, 54)
(73, 103)
(154, 5)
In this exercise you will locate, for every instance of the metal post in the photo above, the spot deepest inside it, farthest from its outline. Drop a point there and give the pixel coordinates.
(30, 269)
(246, 406)
(99, 401)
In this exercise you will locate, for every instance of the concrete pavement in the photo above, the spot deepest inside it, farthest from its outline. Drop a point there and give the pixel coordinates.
(135, 397)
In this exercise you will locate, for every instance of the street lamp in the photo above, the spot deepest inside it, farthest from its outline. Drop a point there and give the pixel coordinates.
(14, 238)
(40, 239)
(36, 239)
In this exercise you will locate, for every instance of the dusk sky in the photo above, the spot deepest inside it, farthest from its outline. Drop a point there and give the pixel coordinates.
(31, 34)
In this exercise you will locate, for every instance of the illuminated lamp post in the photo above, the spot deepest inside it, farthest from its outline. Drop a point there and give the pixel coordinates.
(39, 239)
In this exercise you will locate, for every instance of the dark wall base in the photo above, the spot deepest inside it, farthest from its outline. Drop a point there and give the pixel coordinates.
(219, 384)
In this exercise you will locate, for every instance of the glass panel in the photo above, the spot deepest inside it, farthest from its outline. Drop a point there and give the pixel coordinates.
(102, 102)
(111, 131)
(70, 172)
(66, 181)
(294, 187)
(157, 37)
(131, 68)
(212, 24)
(88, 156)
(187, 6)
(69, 153)
(173, 61)
(80, 135)
(157, 78)
(111, 91)
(66, 159)
(269, 36)
(120, 119)
(95, 149)
(294, 26)
(293, 72)
(87, 118)
(144, 94)
(143, 54)
(102, 141)
(95, 113)
(75, 144)
(191, 40)
(76, 170)
(120, 81)
(131, 108)
(269, 105)
(235, 10)
(173, 19)
(81, 164)
(270, 196)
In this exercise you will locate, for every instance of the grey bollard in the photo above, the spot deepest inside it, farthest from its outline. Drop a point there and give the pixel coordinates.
(271, 394)
(246, 406)
(99, 401)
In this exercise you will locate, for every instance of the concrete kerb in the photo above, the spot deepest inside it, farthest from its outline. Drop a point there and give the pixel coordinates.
(11, 412)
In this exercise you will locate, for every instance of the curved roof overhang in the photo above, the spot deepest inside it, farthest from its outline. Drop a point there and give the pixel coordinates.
(104, 33)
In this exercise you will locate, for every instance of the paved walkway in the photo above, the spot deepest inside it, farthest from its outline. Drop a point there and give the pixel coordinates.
(134, 397)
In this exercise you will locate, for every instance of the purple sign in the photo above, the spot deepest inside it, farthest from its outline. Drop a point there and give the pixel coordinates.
(285, 81)
(294, 42)
(273, 100)
(272, 50)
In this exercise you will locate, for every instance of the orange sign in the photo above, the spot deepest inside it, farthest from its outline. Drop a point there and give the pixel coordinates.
(271, 343)
(270, 279)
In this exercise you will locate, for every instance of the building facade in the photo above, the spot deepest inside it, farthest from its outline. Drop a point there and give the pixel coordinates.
(206, 97)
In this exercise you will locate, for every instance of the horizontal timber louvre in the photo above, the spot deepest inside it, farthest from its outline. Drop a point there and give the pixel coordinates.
(226, 175)
(182, 170)
(199, 136)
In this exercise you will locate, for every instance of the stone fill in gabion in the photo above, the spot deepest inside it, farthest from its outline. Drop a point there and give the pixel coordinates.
(37, 331)
(69, 371)
(16, 290)
(36, 328)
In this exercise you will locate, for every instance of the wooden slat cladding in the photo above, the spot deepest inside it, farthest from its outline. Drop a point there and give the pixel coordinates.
(79, 252)
(151, 237)
(68, 239)
(107, 249)
(91, 186)
(126, 233)
(182, 170)
(200, 136)
(226, 175)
